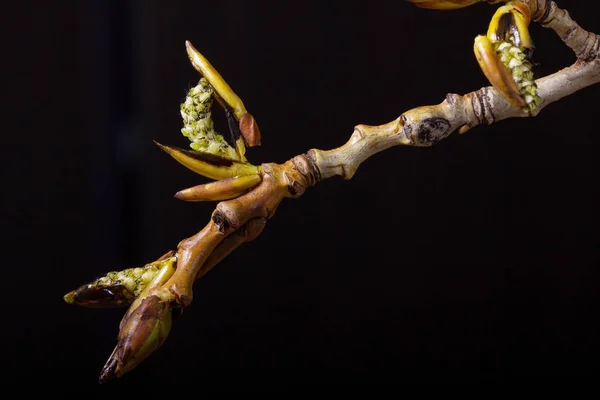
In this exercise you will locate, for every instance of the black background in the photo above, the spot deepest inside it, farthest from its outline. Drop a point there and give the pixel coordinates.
(475, 260)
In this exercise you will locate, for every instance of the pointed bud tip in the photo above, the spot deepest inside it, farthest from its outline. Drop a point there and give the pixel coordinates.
(69, 297)
(108, 372)
(163, 147)
(193, 55)
(141, 333)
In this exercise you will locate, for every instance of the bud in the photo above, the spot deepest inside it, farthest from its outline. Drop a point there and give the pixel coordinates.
(94, 296)
(143, 331)
(144, 327)
(209, 165)
(504, 55)
(496, 71)
(249, 130)
(117, 288)
(220, 190)
(202, 65)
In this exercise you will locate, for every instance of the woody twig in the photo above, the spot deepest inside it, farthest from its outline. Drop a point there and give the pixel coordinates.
(250, 194)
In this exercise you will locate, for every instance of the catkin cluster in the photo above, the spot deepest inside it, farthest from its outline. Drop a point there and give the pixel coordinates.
(134, 280)
(521, 69)
(198, 125)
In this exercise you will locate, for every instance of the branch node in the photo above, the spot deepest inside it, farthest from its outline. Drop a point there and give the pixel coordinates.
(306, 166)
(220, 220)
(583, 43)
(482, 106)
(540, 9)
(592, 50)
(311, 158)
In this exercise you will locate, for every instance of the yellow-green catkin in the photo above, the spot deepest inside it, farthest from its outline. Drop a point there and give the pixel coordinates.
(198, 125)
(132, 279)
(521, 69)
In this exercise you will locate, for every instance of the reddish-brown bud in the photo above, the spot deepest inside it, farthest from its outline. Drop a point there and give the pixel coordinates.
(249, 130)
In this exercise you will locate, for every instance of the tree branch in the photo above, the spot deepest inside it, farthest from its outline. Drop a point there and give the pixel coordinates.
(242, 219)
(427, 125)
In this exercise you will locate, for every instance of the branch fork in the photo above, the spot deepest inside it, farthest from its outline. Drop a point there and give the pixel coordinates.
(146, 324)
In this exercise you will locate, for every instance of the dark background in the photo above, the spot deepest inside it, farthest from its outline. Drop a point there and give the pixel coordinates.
(472, 261)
